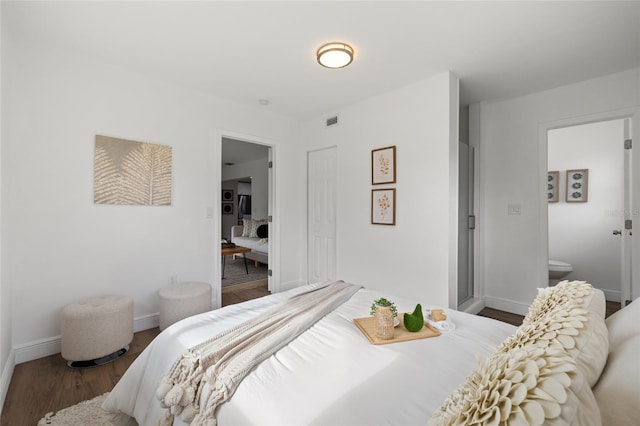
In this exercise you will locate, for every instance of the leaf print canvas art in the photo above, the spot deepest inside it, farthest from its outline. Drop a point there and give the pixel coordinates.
(383, 165)
(383, 206)
(133, 173)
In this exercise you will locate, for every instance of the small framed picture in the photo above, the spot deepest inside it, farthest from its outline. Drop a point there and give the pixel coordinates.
(227, 208)
(577, 189)
(383, 165)
(227, 195)
(553, 186)
(383, 206)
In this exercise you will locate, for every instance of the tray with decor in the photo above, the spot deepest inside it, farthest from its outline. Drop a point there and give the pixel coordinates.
(400, 334)
(228, 245)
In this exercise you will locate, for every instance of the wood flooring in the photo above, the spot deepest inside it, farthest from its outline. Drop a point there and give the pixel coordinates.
(47, 384)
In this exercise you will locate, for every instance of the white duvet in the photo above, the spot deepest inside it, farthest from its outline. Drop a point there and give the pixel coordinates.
(329, 375)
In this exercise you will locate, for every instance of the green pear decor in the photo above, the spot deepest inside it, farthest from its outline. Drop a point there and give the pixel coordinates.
(414, 322)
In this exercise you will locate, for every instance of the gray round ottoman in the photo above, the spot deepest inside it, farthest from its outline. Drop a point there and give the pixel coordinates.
(182, 300)
(96, 330)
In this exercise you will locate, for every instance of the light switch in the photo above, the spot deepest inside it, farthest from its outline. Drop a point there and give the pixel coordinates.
(514, 209)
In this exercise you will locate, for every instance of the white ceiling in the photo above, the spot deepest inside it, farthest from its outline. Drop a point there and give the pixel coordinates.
(248, 51)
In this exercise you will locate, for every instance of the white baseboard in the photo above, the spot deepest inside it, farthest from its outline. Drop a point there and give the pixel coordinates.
(612, 295)
(472, 306)
(5, 379)
(37, 349)
(52, 345)
(290, 285)
(146, 322)
(506, 305)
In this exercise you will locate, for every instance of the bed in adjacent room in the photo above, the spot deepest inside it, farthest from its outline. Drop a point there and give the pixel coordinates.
(331, 374)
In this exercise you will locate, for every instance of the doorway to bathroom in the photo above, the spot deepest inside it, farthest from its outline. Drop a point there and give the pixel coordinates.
(588, 191)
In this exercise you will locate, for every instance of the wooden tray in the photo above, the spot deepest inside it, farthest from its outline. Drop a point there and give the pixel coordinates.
(400, 334)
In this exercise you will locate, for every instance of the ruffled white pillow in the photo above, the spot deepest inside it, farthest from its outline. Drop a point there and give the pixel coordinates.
(571, 313)
(532, 385)
(565, 324)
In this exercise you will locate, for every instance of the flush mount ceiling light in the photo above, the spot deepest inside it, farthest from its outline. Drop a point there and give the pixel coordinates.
(335, 55)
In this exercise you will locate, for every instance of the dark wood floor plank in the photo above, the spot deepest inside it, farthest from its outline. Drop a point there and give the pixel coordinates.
(507, 317)
(48, 384)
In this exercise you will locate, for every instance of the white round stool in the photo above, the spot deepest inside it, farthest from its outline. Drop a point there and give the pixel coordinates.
(182, 300)
(96, 330)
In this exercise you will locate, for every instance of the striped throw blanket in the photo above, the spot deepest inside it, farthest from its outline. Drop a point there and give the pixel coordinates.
(224, 360)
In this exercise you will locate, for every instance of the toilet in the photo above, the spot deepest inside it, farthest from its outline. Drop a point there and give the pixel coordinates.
(558, 270)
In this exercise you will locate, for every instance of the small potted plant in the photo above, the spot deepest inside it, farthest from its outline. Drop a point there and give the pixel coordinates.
(383, 311)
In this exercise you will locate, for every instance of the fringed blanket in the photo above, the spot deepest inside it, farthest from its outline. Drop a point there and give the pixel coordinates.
(223, 361)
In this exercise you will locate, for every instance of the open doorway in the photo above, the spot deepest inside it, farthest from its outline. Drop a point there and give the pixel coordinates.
(589, 198)
(244, 221)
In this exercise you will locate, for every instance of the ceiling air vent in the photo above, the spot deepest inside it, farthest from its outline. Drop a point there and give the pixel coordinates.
(332, 121)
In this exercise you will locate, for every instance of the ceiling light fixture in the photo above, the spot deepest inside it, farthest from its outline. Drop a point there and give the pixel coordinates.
(335, 55)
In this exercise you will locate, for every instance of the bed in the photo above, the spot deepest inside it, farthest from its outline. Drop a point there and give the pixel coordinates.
(332, 375)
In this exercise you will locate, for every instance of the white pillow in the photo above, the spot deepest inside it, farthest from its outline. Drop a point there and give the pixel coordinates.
(571, 313)
(624, 324)
(253, 233)
(557, 354)
(618, 390)
(250, 228)
(532, 385)
(246, 227)
(592, 344)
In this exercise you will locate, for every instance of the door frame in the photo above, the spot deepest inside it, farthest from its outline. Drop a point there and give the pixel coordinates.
(273, 209)
(543, 257)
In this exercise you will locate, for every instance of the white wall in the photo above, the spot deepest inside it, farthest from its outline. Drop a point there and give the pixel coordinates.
(259, 170)
(512, 164)
(412, 257)
(258, 189)
(60, 246)
(581, 233)
(6, 361)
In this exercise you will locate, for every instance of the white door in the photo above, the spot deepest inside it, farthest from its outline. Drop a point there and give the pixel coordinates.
(321, 212)
(272, 230)
(625, 230)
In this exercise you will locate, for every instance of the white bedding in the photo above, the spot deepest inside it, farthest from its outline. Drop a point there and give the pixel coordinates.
(330, 374)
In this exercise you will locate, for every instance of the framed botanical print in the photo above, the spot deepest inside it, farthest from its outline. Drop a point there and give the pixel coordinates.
(553, 186)
(227, 195)
(383, 206)
(383, 165)
(577, 186)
